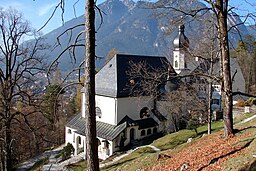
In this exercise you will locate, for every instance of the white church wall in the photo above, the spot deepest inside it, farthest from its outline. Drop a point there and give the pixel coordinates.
(70, 136)
(77, 140)
(179, 57)
(107, 106)
(105, 148)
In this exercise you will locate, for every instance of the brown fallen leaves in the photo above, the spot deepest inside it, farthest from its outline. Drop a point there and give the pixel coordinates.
(208, 154)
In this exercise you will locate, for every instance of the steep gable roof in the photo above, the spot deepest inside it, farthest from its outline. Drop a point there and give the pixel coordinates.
(112, 79)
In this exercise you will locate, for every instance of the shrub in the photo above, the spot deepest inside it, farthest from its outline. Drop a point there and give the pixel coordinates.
(67, 151)
(251, 101)
(240, 103)
(193, 124)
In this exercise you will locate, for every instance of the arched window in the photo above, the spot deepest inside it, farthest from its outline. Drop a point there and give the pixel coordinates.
(144, 112)
(106, 144)
(98, 112)
(98, 141)
(155, 130)
(142, 133)
(79, 140)
(148, 131)
(176, 64)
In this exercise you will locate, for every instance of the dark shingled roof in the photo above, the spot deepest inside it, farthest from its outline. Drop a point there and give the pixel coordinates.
(159, 116)
(112, 79)
(241, 96)
(104, 130)
(108, 131)
(146, 123)
(142, 123)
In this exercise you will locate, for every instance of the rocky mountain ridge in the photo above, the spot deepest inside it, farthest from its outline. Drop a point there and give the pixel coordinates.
(130, 28)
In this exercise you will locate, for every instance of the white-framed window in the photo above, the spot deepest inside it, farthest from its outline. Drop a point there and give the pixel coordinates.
(98, 112)
(142, 133)
(79, 140)
(176, 64)
(144, 112)
(149, 132)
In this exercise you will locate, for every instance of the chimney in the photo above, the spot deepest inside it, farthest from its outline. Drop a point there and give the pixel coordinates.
(83, 102)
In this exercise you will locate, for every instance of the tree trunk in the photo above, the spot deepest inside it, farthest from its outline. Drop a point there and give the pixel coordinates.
(7, 148)
(210, 106)
(221, 7)
(209, 118)
(90, 117)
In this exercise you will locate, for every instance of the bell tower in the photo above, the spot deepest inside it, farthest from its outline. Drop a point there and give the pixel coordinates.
(180, 44)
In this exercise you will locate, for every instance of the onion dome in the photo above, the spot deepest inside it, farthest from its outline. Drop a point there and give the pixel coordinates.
(181, 41)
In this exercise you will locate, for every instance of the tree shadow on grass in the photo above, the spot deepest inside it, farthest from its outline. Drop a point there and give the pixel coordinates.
(243, 129)
(212, 161)
(112, 166)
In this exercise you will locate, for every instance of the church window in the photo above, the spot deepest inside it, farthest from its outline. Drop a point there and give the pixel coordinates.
(132, 82)
(144, 112)
(98, 112)
(98, 141)
(148, 131)
(106, 144)
(143, 132)
(175, 64)
(79, 140)
(215, 101)
(155, 130)
(69, 131)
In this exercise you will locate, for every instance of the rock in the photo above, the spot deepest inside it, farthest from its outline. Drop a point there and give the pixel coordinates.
(184, 166)
(189, 140)
(163, 156)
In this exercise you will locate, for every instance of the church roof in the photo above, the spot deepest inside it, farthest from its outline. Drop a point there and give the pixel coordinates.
(104, 130)
(108, 131)
(181, 41)
(159, 116)
(241, 96)
(112, 79)
(142, 123)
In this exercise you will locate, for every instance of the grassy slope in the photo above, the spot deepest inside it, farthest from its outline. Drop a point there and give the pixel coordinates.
(146, 157)
(244, 159)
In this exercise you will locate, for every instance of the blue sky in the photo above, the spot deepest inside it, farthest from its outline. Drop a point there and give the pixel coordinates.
(38, 11)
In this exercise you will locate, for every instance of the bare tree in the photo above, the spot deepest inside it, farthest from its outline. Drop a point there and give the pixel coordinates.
(20, 62)
(90, 114)
(221, 10)
(89, 62)
(175, 98)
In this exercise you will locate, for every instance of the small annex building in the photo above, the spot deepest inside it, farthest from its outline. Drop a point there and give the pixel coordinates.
(121, 117)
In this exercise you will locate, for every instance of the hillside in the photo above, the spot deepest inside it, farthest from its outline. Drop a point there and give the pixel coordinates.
(205, 152)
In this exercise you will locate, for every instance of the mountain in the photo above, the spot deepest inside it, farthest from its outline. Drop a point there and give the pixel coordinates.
(252, 30)
(131, 28)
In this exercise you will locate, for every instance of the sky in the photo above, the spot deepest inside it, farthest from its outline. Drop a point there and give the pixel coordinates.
(38, 11)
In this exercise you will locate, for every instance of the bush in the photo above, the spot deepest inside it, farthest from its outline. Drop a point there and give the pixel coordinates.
(251, 101)
(193, 124)
(67, 151)
(240, 103)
